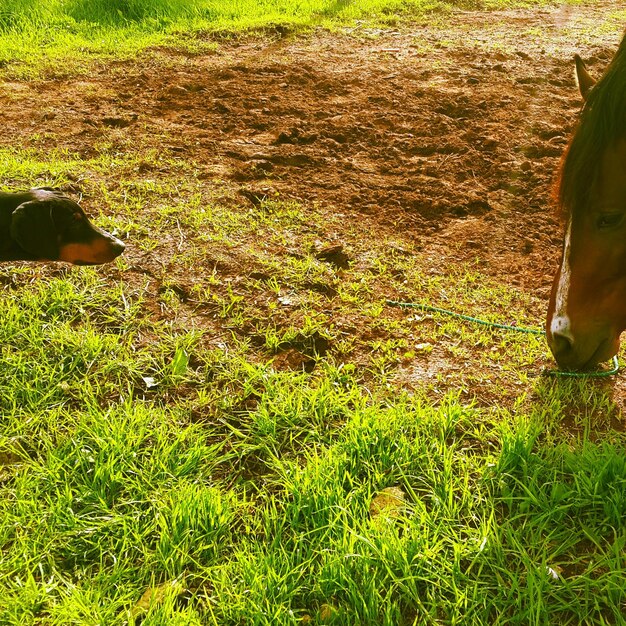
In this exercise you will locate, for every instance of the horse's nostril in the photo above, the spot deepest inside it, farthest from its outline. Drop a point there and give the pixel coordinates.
(561, 344)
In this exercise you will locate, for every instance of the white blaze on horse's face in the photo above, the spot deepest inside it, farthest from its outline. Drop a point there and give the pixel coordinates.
(560, 324)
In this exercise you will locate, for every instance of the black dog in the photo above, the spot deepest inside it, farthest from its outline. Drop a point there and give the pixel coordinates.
(43, 224)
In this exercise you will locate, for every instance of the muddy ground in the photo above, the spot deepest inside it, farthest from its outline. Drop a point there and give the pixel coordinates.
(443, 134)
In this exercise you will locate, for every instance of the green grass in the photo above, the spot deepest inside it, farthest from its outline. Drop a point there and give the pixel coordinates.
(37, 35)
(208, 434)
(255, 507)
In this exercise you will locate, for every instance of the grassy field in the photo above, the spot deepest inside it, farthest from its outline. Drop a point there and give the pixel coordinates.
(158, 470)
(144, 476)
(37, 33)
(147, 477)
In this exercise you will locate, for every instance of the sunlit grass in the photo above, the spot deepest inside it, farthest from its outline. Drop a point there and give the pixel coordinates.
(258, 507)
(204, 431)
(37, 35)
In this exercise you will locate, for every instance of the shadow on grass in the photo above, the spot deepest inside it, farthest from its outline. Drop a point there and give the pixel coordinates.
(336, 7)
(581, 409)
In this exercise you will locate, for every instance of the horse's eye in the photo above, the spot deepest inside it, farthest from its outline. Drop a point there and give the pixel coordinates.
(609, 220)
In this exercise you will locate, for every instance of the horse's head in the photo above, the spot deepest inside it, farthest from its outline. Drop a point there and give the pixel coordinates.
(587, 310)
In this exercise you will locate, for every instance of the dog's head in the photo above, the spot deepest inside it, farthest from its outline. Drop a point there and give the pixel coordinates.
(53, 227)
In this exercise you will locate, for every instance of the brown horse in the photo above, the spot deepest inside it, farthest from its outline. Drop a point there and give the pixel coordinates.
(587, 310)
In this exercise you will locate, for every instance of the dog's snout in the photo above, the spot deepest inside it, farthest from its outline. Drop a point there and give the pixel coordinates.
(117, 246)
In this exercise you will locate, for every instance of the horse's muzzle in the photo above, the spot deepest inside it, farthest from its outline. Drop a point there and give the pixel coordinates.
(572, 354)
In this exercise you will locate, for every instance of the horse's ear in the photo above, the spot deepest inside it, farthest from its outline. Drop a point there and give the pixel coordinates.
(583, 77)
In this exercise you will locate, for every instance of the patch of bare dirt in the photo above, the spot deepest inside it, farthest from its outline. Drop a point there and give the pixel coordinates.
(445, 135)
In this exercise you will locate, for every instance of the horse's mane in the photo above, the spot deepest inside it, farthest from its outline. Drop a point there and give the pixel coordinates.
(602, 123)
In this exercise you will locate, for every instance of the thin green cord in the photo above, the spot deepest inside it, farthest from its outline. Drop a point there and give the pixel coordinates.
(517, 329)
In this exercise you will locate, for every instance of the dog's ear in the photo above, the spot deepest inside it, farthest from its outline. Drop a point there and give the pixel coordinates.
(33, 228)
(64, 214)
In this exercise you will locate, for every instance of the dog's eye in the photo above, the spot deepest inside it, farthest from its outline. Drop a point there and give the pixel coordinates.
(77, 216)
